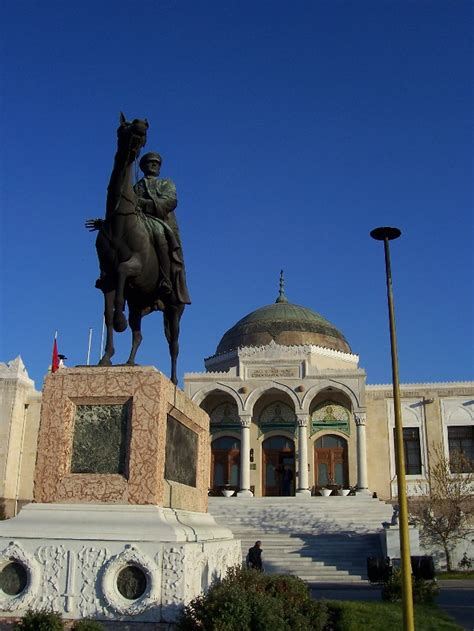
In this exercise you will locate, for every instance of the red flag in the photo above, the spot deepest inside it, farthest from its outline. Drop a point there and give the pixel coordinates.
(55, 359)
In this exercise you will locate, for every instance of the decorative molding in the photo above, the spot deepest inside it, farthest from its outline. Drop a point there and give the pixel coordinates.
(245, 421)
(172, 581)
(90, 561)
(432, 384)
(224, 414)
(52, 560)
(15, 371)
(360, 418)
(14, 552)
(130, 556)
(274, 350)
(302, 420)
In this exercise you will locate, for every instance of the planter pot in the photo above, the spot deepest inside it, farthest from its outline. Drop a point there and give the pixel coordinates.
(343, 492)
(325, 492)
(228, 492)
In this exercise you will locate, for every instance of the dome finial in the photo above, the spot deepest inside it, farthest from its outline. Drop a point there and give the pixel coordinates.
(281, 294)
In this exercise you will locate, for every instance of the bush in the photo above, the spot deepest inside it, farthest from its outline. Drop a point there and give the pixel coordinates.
(40, 621)
(87, 625)
(247, 600)
(423, 591)
(465, 563)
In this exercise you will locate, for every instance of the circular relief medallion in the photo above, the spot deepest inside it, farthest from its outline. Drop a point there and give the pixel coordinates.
(131, 582)
(13, 578)
(19, 578)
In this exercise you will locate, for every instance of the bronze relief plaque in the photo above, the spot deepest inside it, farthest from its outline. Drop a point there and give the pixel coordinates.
(101, 438)
(181, 452)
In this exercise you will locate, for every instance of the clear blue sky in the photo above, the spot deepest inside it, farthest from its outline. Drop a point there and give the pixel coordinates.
(290, 129)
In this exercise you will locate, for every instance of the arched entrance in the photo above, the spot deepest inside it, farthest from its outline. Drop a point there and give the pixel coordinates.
(330, 460)
(278, 466)
(225, 463)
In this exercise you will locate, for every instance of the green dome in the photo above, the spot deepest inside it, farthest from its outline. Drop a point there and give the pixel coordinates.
(285, 323)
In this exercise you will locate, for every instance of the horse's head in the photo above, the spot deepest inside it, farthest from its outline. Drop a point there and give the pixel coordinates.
(131, 136)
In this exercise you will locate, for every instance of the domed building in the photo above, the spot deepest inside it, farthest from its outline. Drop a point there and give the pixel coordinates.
(286, 399)
(290, 411)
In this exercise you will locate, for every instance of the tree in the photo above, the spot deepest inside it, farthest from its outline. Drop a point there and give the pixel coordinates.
(445, 509)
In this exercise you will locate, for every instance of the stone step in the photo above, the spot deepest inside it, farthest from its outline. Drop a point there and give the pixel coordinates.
(322, 541)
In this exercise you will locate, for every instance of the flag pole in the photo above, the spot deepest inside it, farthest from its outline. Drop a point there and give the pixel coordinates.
(89, 347)
(55, 357)
(101, 352)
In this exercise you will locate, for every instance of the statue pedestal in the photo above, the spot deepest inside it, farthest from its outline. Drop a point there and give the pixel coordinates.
(119, 530)
(390, 540)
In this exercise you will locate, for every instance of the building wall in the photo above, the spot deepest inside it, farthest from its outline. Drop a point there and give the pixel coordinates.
(19, 422)
(307, 374)
(431, 408)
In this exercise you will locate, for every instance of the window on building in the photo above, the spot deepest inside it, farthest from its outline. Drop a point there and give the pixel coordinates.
(461, 441)
(411, 446)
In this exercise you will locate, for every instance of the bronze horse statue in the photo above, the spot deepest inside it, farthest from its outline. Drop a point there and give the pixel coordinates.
(129, 261)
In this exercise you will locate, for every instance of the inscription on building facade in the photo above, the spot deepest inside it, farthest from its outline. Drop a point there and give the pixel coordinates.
(266, 372)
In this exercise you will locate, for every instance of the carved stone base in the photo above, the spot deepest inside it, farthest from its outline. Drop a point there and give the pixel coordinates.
(112, 562)
(303, 492)
(244, 493)
(390, 540)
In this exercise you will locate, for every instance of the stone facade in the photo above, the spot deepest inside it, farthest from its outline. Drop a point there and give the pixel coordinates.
(240, 390)
(19, 420)
(320, 393)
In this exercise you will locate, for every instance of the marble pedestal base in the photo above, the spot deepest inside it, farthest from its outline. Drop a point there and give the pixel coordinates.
(73, 555)
(244, 493)
(391, 541)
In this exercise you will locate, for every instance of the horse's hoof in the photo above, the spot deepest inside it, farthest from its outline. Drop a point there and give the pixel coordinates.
(105, 361)
(120, 323)
(129, 363)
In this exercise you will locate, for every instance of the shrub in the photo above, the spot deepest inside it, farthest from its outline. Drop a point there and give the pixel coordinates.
(465, 563)
(246, 600)
(87, 625)
(40, 621)
(423, 591)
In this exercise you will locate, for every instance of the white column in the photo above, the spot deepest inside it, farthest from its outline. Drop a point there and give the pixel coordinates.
(303, 455)
(245, 458)
(360, 418)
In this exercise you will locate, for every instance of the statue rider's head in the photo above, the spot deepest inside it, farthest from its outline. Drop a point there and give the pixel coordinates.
(150, 163)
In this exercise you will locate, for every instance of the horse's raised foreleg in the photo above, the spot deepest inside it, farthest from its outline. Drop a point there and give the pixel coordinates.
(109, 317)
(135, 322)
(125, 270)
(172, 317)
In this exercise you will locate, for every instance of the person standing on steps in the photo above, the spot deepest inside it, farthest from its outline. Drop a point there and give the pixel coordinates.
(254, 557)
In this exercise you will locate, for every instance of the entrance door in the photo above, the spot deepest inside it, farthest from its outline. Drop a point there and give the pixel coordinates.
(330, 460)
(278, 466)
(225, 463)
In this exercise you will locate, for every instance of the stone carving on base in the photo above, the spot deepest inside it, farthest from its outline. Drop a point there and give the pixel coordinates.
(172, 580)
(15, 553)
(115, 600)
(51, 558)
(90, 561)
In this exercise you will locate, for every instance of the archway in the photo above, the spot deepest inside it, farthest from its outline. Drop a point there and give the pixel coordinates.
(278, 466)
(331, 461)
(225, 464)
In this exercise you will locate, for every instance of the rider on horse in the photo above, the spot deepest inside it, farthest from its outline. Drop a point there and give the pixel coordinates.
(156, 204)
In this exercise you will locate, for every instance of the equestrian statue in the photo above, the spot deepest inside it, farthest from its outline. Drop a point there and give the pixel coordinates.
(139, 247)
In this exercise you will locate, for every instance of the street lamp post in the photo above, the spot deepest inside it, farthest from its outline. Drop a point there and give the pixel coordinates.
(387, 234)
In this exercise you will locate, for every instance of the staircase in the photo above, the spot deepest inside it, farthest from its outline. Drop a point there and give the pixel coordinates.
(319, 539)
